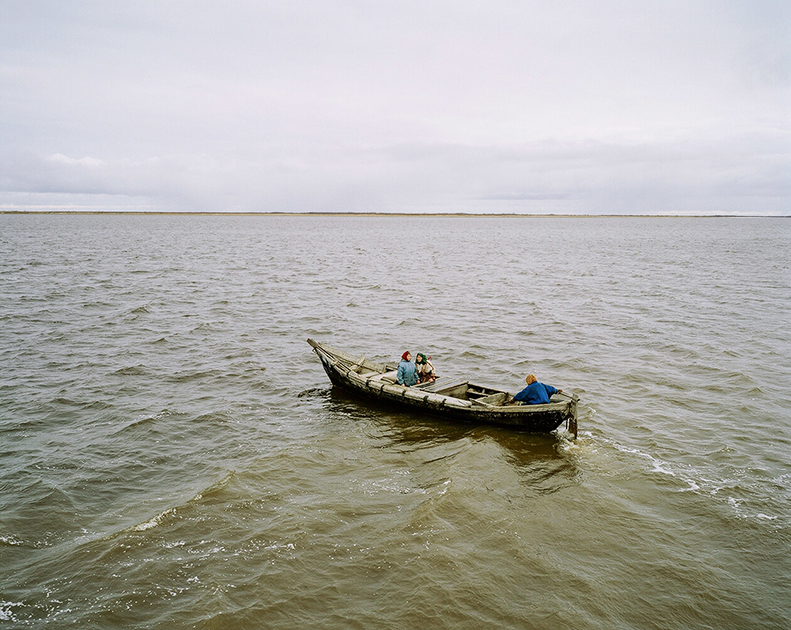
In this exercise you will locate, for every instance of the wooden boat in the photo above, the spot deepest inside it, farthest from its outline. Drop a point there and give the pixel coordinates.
(463, 400)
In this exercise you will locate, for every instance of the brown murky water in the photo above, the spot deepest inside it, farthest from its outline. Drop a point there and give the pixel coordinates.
(173, 456)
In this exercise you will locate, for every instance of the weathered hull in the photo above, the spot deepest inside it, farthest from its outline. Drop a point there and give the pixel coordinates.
(534, 418)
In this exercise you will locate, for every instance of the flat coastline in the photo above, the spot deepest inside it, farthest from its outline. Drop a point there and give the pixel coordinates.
(512, 215)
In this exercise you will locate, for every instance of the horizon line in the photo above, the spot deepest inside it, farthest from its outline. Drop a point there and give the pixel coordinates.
(395, 214)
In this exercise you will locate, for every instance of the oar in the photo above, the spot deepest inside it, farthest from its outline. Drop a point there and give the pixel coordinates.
(571, 423)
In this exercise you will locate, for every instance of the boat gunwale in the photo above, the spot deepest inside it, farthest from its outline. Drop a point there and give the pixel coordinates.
(415, 395)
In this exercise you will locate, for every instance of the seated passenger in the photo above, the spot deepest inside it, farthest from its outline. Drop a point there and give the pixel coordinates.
(407, 373)
(425, 371)
(535, 393)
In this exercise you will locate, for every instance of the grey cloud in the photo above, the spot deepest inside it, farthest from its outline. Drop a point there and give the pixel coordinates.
(591, 177)
(567, 106)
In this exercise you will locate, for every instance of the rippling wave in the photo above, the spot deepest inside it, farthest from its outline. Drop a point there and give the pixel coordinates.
(174, 456)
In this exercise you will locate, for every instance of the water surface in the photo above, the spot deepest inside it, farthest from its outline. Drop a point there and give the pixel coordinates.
(172, 454)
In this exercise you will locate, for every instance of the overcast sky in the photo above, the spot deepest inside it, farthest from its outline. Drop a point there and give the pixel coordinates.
(679, 107)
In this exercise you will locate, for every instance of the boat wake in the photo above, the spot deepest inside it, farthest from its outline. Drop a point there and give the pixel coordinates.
(745, 501)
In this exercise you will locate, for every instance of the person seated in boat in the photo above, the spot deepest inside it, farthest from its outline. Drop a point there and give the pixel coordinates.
(535, 393)
(407, 372)
(425, 370)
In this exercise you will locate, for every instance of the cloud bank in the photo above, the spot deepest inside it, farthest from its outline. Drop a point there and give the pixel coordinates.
(348, 106)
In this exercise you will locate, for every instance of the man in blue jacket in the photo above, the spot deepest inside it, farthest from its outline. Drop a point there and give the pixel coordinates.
(407, 372)
(535, 393)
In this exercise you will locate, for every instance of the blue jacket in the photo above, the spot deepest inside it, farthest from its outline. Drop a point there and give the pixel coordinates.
(407, 373)
(535, 394)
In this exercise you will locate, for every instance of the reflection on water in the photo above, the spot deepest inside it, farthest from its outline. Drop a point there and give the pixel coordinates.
(541, 459)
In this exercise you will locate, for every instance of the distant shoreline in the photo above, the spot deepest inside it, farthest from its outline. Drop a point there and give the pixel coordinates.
(404, 214)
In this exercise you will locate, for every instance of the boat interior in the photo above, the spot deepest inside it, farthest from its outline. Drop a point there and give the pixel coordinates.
(463, 390)
(474, 393)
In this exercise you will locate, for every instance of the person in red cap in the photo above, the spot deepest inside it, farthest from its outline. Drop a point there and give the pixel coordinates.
(407, 372)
